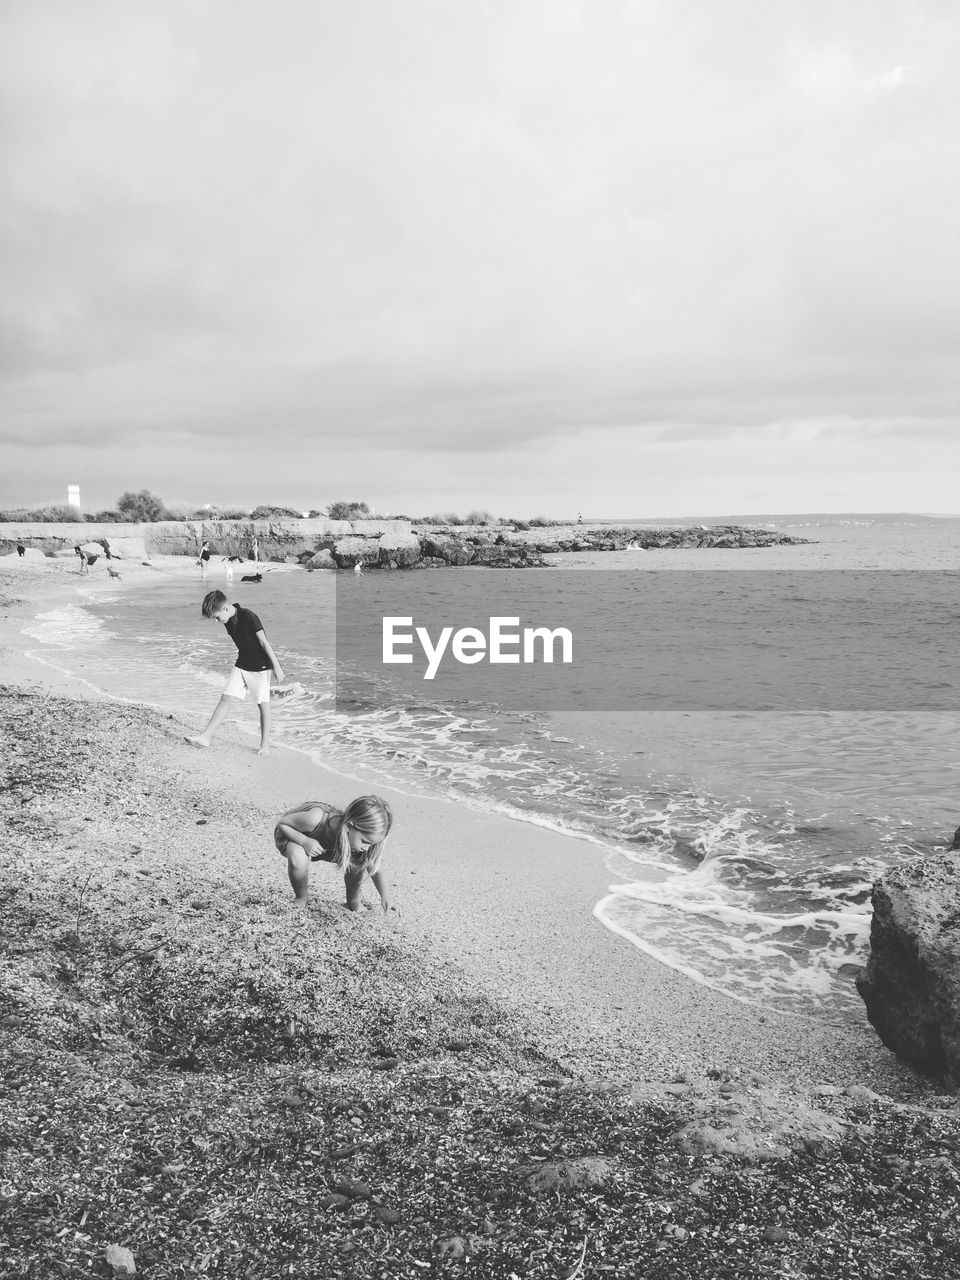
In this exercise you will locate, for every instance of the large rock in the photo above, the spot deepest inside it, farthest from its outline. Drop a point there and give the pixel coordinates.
(399, 550)
(448, 549)
(321, 559)
(126, 548)
(911, 984)
(353, 550)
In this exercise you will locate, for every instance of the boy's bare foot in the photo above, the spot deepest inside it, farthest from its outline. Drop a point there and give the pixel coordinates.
(300, 902)
(198, 741)
(263, 751)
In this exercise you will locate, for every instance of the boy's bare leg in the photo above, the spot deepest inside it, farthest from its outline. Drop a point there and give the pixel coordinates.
(264, 729)
(298, 870)
(220, 712)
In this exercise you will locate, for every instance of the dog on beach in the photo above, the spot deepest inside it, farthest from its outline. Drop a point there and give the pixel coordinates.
(114, 573)
(252, 577)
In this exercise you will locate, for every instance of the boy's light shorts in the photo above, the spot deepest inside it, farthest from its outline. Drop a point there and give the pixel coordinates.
(258, 682)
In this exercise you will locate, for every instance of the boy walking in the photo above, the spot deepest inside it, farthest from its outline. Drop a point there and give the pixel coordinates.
(255, 661)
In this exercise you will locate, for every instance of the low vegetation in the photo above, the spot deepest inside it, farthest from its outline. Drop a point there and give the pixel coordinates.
(145, 507)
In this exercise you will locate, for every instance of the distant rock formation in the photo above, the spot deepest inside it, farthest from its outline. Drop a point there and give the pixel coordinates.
(385, 544)
(911, 983)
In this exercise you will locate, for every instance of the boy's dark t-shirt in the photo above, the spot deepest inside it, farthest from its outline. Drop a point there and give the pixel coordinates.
(242, 629)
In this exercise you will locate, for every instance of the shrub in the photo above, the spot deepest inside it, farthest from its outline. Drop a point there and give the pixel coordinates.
(449, 517)
(142, 507)
(272, 513)
(55, 513)
(348, 511)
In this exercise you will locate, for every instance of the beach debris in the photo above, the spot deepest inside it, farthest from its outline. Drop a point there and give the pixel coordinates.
(76, 928)
(453, 1247)
(334, 1200)
(120, 1260)
(355, 1190)
(567, 1175)
(757, 1125)
(136, 955)
(384, 1064)
(383, 1213)
(574, 1271)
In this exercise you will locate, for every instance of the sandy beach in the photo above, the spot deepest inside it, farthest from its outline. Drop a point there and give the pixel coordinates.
(494, 936)
(509, 901)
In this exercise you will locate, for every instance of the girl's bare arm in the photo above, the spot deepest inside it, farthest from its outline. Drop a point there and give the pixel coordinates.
(296, 826)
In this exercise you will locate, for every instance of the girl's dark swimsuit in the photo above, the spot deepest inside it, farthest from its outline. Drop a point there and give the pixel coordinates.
(354, 875)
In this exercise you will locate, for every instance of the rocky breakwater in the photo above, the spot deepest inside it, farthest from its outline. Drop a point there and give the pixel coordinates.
(626, 537)
(513, 548)
(911, 983)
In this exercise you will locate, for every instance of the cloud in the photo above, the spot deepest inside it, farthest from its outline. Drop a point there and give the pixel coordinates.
(450, 230)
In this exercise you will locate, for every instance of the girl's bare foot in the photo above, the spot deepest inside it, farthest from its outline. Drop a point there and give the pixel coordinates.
(198, 741)
(263, 751)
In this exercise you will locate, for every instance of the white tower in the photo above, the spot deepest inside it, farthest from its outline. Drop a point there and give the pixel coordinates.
(73, 496)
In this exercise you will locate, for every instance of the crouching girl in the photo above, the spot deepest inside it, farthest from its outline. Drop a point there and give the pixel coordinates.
(352, 840)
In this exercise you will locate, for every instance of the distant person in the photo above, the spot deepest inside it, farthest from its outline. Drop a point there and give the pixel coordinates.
(358, 568)
(204, 559)
(352, 840)
(228, 569)
(21, 550)
(255, 549)
(255, 661)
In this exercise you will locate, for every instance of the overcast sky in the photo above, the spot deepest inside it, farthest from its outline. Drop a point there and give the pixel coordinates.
(624, 257)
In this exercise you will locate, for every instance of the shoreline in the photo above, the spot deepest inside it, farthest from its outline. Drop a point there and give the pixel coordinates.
(201, 1078)
(510, 902)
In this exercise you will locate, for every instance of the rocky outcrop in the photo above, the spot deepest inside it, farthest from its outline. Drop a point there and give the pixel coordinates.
(388, 544)
(445, 549)
(321, 559)
(351, 551)
(398, 550)
(911, 983)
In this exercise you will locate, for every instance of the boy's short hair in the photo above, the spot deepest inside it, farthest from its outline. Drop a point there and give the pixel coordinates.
(212, 601)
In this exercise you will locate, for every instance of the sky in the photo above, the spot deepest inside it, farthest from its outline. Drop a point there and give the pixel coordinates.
(617, 257)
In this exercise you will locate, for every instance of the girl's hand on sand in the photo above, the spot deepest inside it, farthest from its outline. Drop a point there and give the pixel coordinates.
(387, 906)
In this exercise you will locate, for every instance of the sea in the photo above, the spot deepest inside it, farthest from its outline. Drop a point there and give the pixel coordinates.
(740, 844)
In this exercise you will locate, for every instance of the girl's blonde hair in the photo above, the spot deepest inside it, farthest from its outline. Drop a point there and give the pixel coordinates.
(373, 818)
